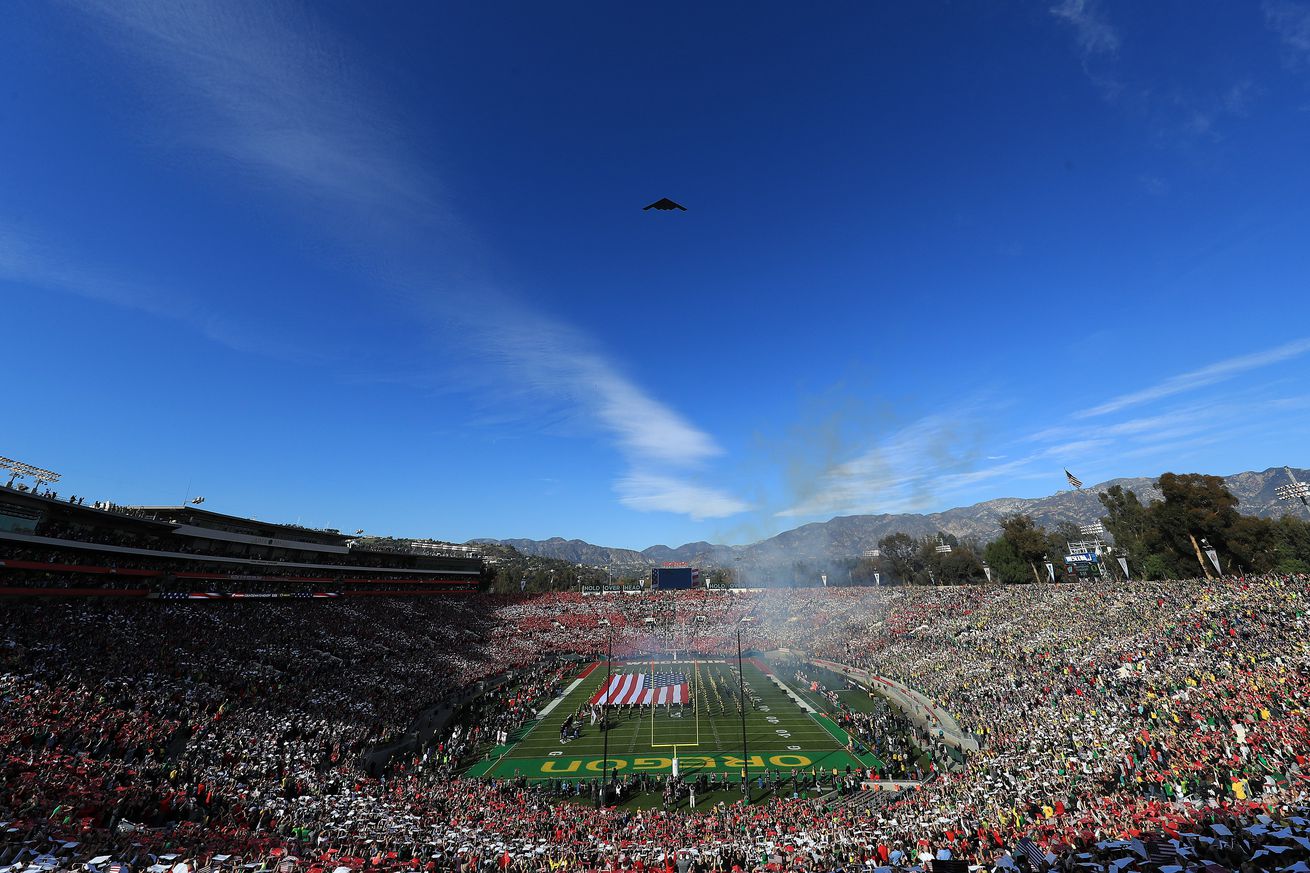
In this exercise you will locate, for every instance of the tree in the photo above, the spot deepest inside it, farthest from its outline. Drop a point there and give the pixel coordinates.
(900, 553)
(1195, 507)
(1128, 522)
(1057, 544)
(1027, 539)
(961, 566)
(1007, 566)
(864, 571)
(1253, 543)
(1157, 567)
(1291, 541)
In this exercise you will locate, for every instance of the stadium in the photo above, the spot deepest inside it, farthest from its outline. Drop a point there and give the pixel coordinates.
(183, 687)
(511, 437)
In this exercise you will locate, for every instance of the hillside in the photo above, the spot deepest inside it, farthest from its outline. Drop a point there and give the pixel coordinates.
(847, 536)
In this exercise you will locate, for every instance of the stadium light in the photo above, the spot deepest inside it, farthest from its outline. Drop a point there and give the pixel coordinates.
(1095, 529)
(741, 702)
(18, 470)
(1294, 492)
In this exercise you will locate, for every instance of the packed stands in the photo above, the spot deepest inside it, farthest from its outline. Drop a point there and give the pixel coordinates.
(1110, 721)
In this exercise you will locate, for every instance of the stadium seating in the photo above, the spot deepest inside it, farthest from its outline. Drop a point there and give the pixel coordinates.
(233, 733)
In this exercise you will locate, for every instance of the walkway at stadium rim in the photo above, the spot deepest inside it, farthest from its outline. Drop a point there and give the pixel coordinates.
(919, 708)
(783, 739)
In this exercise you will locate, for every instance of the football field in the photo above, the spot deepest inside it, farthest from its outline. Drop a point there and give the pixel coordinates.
(705, 734)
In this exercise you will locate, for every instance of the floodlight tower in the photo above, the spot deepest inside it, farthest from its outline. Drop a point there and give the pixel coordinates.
(1294, 492)
(18, 469)
(1095, 530)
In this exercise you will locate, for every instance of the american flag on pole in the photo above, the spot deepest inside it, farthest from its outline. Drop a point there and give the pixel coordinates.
(1073, 480)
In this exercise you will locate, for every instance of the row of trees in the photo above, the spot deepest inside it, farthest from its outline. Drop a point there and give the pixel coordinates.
(1162, 539)
(923, 561)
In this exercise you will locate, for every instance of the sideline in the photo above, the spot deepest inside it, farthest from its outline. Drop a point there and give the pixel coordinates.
(487, 764)
(550, 707)
(919, 708)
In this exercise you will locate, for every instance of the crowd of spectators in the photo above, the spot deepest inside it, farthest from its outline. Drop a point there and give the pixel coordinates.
(1108, 719)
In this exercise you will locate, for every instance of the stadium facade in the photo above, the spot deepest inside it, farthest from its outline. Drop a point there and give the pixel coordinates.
(58, 546)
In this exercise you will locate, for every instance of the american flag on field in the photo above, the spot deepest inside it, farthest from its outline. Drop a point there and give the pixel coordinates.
(666, 688)
(630, 689)
(1073, 480)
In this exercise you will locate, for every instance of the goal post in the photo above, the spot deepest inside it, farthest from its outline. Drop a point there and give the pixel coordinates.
(692, 705)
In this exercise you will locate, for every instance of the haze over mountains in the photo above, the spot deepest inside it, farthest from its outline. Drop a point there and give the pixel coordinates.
(848, 536)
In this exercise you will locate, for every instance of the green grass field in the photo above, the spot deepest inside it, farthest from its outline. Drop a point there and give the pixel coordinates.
(782, 736)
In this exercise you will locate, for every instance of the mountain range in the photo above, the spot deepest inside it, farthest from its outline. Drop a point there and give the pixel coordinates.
(850, 535)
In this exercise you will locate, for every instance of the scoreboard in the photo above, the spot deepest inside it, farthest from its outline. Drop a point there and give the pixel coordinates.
(1084, 565)
(674, 578)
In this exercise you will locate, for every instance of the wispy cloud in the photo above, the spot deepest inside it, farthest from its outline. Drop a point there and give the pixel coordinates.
(649, 492)
(1166, 425)
(1092, 30)
(551, 365)
(543, 357)
(277, 99)
(1291, 22)
(1176, 118)
(34, 263)
(1207, 375)
(1097, 41)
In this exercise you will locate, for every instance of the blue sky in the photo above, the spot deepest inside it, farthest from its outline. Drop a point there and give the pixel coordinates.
(385, 266)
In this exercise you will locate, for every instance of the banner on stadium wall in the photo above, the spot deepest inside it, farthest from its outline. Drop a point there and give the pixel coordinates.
(1050, 571)
(1214, 559)
(1123, 562)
